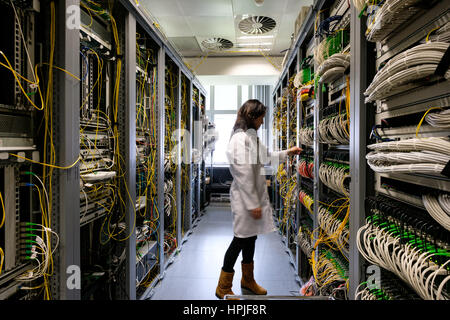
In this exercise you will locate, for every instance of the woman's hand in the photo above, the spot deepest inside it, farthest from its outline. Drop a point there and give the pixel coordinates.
(256, 213)
(294, 151)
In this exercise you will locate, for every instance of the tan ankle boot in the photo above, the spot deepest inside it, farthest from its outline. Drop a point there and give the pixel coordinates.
(248, 282)
(225, 284)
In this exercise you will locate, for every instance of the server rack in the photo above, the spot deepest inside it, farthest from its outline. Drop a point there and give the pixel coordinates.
(396, 115)
(110, 49)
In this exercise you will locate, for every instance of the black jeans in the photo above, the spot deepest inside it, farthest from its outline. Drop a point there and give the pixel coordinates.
(246, 245)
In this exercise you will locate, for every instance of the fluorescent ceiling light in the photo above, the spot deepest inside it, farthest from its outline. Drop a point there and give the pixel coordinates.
(255, 44)
(252, 50)
(255, 37)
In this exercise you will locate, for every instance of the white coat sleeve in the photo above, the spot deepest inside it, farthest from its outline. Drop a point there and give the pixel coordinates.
(242, 169)
(272, 158)
(282, 155)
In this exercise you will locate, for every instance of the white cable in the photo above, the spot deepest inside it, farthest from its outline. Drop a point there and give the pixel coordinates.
(392, 14)
(436, 144)
(333, 130)
(434, 208)
(409, 157)
(405, 68)
(334, 178)
(306, 136)
(439, 119)
(407, 262)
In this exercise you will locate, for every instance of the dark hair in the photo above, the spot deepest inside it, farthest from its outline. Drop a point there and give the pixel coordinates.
(247, 114)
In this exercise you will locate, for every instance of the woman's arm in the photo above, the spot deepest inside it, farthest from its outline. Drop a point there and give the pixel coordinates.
(268, 157)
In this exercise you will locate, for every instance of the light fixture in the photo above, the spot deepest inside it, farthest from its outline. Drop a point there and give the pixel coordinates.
(255, 37)
(259, 3)
(252, 50)
(256, 44)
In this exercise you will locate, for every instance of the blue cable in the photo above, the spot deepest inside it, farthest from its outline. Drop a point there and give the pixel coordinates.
(87, 67)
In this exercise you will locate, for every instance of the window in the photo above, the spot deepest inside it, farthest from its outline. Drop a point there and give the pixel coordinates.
(225, 98)
(224, 124)
(244, 94)
(222, 109)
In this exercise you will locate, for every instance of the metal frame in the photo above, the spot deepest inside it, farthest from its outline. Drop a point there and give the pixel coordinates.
(66, 120)
(130, 151)
(160, 166)
(358, 81)
(180, 210)
(358, 129)
(65, 213)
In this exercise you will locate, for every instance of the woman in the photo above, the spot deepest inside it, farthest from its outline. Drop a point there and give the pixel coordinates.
(252, 212)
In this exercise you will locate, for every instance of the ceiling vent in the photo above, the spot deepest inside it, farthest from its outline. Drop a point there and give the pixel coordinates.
(257, 25)
(217, 44)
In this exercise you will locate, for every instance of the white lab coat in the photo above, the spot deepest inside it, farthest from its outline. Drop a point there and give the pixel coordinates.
(249, 189)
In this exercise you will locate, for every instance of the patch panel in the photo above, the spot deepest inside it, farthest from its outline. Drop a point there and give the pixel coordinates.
(389, 287)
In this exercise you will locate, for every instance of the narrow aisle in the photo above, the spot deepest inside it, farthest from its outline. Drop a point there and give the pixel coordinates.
(195, 272)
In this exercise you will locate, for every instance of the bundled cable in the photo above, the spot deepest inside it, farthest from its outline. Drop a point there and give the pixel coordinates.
(334, 176)
(306, 91)
(306, 200)
(306, 136)
(333, 130)
(328, 269)
(336, 229)
(439, 119)
(333, 68)
(386, 19)
(304, 241)
(408, 242)
(380, 243)
(438, 208)
(435, 144)
(306, 169)
(441, 34)
(425, 155)
(387, 287)
(400, 73)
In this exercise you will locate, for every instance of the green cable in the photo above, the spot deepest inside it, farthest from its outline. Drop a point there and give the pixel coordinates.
(362, 11)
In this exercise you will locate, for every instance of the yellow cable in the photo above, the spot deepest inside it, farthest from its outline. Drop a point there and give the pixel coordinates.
(423, 118)
(4, 212)
(20, 85)
(429, 33)
(46, 164)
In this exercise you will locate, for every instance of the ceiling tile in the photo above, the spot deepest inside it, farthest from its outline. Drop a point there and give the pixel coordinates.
(212, 26)
(175, 26)
(270, 7)
(206, 7)
(160, 8)
(296, 5)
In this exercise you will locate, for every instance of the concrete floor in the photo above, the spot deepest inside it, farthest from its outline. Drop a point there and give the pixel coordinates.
(195, 271)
